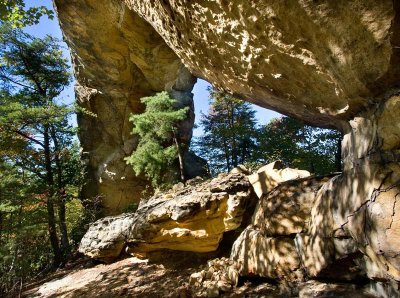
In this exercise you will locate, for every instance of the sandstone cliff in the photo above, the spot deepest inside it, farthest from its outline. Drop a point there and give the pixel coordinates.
(330, 63)
(118, 58)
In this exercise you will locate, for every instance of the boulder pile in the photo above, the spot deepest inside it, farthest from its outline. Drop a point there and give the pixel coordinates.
(216, 277)
(290, 230)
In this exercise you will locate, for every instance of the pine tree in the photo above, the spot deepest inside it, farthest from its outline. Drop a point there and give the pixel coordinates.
(230, 132)
(159, 141)
(34, 130)
(301, 146)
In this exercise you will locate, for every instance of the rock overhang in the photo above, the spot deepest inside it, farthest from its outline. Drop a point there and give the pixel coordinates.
(329, 63)
(320, 61)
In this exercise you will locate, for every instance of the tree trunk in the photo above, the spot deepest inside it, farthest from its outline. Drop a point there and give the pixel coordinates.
(1, 227)
(233, 137)
(50, 206)
(63, 226)
(180, 157)
(228, 164)
(60, 196)
(338, 155)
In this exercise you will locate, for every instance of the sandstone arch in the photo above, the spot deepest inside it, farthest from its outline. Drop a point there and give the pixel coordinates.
(330, 63)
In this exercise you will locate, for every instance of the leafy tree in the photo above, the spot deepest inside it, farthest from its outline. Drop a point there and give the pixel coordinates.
(159, 141)
(301, 146)
(34, 131)
(230, 132)
(16, 13)
(23, 241)
(24, 246)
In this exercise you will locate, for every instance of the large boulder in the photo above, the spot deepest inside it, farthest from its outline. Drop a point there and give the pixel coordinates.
(267, 247)
(192, 218)
(361, 207)
(269, 176)
(338, 228)
(259, 255)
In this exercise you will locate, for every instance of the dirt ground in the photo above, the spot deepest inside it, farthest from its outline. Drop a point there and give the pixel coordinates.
(133, 277)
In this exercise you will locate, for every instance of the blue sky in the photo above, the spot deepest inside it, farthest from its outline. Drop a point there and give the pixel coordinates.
(200, 92)
(201, 105)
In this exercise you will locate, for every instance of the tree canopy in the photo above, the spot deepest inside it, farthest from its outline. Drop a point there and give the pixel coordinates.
(232, 136)
(301, 146)
(17, 14)
(230, 132)
(159, 143)
(39, 161)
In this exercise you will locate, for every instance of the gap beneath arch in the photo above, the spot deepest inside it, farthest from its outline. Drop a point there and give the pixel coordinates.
(201, 105)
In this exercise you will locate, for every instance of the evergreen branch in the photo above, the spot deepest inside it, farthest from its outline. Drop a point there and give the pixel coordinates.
(33, 171)
(29, 138)
(16, 82)
(32, 76)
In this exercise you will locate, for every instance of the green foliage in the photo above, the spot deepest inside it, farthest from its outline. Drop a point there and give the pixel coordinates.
(232, 136)
(156, 128)
(40, 166)
(300, 146)
(230, 133)
(24, 248)
(15, 13)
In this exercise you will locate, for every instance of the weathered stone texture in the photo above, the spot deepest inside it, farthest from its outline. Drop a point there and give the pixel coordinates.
(286, 209)
(192, 218)
(118, 58)
(259, 255)
(318, 60)
(359, 205)
(341, 228)
(268, 247)
(269, 176)
(330, 63)
(326, 62)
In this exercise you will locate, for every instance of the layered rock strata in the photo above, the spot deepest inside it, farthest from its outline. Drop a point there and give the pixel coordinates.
(192, 218)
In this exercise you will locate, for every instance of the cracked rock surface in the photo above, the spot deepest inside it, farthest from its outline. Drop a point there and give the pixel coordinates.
(192, 218)
(330, 63)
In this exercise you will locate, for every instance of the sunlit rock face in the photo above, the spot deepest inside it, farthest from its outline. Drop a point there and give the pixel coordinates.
(324, 62)
(359, 207)
(329, 63)
(268, 246)
(318, 60)
(192, 218)
(118, 58)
